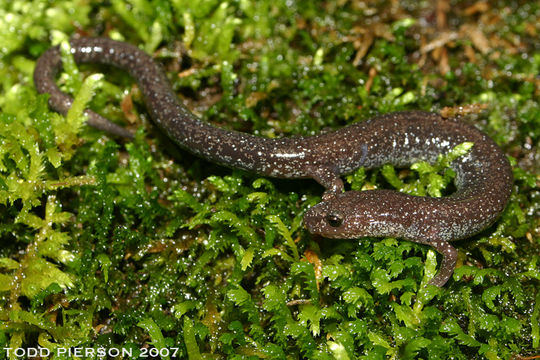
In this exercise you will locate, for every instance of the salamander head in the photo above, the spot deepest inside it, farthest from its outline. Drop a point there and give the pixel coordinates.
(344, 216)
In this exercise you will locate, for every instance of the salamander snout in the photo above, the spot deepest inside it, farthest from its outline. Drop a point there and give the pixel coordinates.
(326, 219)
(346, 215)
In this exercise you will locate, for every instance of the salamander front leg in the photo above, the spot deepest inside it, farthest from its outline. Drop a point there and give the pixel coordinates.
(448, 264)
(331, 181)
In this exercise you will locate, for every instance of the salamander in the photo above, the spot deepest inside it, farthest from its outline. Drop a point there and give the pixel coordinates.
(483, 181)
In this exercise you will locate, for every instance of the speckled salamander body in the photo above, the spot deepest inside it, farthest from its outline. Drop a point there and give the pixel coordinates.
(483, 181)
(483, 176)
(322, 157)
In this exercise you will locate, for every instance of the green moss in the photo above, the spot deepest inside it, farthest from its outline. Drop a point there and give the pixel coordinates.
(109, 243)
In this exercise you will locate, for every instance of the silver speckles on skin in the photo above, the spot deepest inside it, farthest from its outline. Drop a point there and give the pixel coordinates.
(483, 181)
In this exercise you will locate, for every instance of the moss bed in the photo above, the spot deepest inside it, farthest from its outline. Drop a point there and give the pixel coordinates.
(140, 246)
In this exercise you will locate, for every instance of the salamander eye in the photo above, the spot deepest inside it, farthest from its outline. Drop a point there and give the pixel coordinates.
(334, 220)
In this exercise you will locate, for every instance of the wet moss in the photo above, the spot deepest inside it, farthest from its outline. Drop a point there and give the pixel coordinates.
(116, 244)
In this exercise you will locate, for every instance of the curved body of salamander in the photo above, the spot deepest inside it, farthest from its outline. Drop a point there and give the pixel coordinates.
(483, 181)
(483, 176)
(323, 157)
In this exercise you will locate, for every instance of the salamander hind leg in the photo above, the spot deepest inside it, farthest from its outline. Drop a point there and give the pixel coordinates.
(448, 264)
